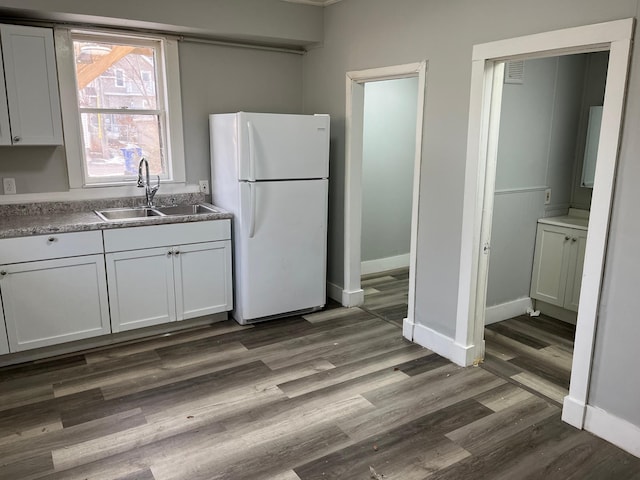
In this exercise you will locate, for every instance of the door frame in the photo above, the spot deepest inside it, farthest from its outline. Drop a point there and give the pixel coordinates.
(488, 58)
(352, 293)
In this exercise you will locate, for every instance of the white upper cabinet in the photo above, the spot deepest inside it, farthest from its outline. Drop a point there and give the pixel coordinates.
(29, 100)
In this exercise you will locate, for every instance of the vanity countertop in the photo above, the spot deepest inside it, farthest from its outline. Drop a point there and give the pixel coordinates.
(566, 221)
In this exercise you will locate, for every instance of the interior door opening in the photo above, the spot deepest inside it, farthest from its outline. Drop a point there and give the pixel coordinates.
(541, 205)
(352, 293)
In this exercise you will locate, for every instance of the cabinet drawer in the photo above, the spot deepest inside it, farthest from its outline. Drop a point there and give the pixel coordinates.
(133, 238)
(44, 247)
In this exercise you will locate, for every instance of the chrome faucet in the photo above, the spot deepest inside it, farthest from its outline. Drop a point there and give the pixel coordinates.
(149, 191)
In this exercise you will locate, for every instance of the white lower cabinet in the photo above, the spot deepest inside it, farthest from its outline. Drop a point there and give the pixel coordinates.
(150, 286)
(4, 344)
(557, 265)
(54, 301)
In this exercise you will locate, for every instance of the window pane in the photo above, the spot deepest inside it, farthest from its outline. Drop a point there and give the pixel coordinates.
(114, 144)
(115, 76)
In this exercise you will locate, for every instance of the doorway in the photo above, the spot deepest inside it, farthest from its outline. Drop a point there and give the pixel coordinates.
(540, 215)
(353, 294)
(484, 121)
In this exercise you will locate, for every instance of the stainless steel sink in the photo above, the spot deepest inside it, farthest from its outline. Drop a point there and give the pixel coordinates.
(137, 213)
(185, 210)
(133, 213)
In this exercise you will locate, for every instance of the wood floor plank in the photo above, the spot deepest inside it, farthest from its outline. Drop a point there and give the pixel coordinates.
(391, 452)
(324, 397)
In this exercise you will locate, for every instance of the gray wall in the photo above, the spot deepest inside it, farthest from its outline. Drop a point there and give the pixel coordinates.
(389, 137)
(536, 149)
(214, 79)
(271, 21)
(362, 34)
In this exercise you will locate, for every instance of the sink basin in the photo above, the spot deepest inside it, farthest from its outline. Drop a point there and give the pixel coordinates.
(185, 210)
(133, 213)
(137, 213)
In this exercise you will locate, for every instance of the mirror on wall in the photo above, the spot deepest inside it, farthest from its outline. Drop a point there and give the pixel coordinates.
(591, 147)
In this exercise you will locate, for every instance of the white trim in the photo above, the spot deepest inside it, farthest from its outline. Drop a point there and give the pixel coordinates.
(353, 174)
(334, 292)
(95, 193)
(384, 264)
(613, 429)
(616, 37)
(507, 310)
(573, 411)
(352, 299)
(438, 343)
(168, 83)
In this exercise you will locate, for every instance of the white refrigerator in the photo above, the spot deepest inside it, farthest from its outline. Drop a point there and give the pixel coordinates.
(271, 171)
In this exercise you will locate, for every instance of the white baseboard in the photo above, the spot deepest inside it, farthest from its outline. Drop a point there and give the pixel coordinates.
(573, 412)
(352, 299)
(439, 343)
(384, 264)
(615, 430)
(507, 310)
(334, 292)
(558, 313)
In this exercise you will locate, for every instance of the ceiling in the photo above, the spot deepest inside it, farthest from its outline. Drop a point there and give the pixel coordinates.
(319, 3)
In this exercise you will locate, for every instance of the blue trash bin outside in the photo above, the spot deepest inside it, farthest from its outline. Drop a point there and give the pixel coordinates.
(132, 156)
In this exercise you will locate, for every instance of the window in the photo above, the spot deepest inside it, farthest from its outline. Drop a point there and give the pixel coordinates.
(126, 106)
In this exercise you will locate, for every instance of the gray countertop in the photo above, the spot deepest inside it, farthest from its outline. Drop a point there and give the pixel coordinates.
(44, 221)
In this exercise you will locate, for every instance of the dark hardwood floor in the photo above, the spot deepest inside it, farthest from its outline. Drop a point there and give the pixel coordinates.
(333, 395)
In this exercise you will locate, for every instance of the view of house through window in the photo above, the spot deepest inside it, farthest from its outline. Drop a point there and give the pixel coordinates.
(120, 109)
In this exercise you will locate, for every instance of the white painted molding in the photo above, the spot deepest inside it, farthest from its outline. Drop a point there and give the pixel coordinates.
(353, 173)
(573, 411)
(613, 429)
(507, 310)
(334, 292)
(439, 343)
(384, 264)
(95, 193)
(352, 299)
(613, 36)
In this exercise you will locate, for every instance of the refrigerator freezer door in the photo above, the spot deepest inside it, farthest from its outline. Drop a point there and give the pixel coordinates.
(281, 147)
(281, 256)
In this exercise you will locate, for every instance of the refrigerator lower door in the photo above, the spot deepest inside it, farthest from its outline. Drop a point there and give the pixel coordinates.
(281, 248)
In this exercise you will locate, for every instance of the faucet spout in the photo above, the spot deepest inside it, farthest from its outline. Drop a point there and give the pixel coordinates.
(149, 191)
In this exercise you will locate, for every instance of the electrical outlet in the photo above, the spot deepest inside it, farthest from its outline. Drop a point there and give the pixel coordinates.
(9, 186)
(204, 186)
(547, 196)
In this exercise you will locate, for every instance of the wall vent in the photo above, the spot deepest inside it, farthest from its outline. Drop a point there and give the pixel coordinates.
(514, 72)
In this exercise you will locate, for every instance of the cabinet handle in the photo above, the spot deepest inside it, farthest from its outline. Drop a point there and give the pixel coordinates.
(574, 239)
(169, 253)
(567, 237)
(3, 273)
(177, 252)
(17, 138)
(51, 239)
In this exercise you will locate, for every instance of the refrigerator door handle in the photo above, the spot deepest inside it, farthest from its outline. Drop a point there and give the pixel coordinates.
(252, 211)
(252, 153)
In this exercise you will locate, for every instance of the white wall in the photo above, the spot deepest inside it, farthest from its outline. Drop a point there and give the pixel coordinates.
(536, 150)
(362, 34)
(390, 109)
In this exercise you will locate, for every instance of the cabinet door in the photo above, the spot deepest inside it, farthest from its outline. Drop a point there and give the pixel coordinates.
(5, 131)
(54, 301)
(203, 279)
(4, 344)
(141, 291)
(32, 85)
(548, 282)
(576, 265)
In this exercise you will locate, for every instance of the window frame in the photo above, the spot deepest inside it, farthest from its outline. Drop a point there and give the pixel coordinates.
(168, 94)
